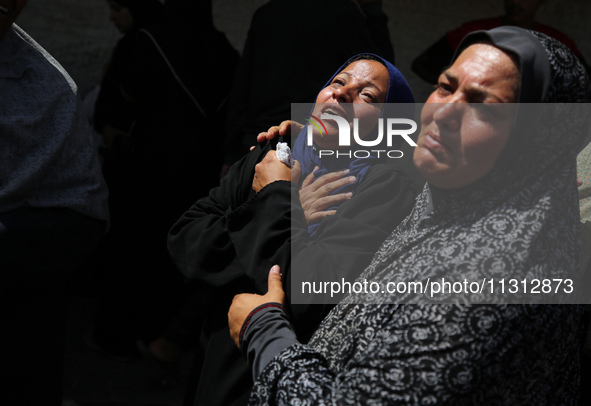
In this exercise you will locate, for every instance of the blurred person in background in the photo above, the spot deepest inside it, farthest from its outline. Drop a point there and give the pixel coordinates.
(172, 77)
(285, 39)
(53, 210)
(519, 13)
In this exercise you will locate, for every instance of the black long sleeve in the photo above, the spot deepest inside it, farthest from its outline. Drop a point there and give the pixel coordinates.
(235, 233)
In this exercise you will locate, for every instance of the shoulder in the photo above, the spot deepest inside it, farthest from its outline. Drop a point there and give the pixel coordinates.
(34, 56)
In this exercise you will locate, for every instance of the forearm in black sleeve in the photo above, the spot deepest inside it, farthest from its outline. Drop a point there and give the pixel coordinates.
(266, 231)
(199, 243)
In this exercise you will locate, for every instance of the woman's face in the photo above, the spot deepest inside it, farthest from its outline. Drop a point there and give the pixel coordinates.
(353, 93)
(120, 17)
(459, 143)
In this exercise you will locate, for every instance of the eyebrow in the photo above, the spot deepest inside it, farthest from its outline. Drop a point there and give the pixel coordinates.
(370, 83)
(473, 91)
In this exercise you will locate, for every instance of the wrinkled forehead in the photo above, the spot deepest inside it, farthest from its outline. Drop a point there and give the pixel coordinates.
(500, 53)
(485, 68)
(528, 53)
(368, 70)
(398, 89)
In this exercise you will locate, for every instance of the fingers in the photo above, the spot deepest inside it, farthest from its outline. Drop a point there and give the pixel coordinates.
(328, 183)
(310, 178)
(333, 181)
(295, 127)
(288, 127)
(245, 303)
(236, 316)
(328, 201)
(316, 196)
(269, 134)
(285, 128)
(320, 215)
(275, 292)
(315, 212)
(296, 172)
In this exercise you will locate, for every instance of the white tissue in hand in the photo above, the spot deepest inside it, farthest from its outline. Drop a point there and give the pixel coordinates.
(283, 153)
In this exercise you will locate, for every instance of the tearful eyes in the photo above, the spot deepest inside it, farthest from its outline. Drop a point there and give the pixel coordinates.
(443, 88)
(338, 82)
(366, 96)
(370, 97)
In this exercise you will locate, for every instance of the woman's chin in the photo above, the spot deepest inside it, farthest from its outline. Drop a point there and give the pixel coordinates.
(430, 168)
(327, 141)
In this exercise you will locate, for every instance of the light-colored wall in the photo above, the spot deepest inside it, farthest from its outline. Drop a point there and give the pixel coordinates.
(79, 34)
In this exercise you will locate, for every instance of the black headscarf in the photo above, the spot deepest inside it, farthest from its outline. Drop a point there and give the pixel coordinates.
(144, 12)
(196, 15)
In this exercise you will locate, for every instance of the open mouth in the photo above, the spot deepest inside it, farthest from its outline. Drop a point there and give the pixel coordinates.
(334, 111)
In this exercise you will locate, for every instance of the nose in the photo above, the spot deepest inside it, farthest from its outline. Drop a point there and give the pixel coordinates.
(112, 16)
(449, 115)
(343, 94)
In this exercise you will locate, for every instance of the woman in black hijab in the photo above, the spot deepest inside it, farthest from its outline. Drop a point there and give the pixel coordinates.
(501, 198)
(113, 114)
(166, 88)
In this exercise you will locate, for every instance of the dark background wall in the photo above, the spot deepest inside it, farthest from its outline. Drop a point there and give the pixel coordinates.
(78, 32)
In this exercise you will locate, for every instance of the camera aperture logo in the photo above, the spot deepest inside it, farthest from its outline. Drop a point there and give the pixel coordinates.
(322, 134)
(388, 128)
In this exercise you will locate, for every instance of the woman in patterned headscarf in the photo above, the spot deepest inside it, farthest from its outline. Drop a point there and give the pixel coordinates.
(501, 198)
